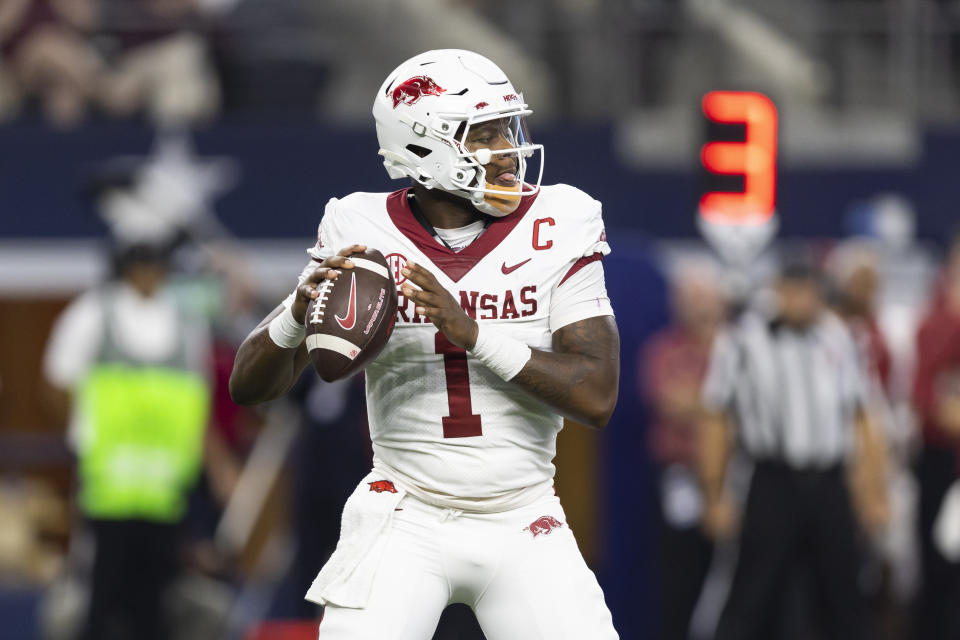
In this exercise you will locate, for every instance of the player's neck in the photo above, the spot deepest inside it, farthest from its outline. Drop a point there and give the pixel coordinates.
(444, 210)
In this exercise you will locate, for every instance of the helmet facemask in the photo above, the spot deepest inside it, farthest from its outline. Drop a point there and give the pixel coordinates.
(468, 176)
(482, 139)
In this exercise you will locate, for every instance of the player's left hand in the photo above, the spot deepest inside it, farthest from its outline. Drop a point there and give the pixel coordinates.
(435, 302)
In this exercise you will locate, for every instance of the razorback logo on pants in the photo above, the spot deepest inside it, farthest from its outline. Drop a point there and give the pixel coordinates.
(544, 525)
(382, 485)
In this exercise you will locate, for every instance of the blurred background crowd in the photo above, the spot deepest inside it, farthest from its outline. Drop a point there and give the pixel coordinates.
(163, 166)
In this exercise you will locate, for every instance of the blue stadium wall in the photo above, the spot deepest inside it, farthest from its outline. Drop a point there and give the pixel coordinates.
(288, 173)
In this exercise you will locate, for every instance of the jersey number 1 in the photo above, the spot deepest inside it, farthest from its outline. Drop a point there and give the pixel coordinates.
(462, 421)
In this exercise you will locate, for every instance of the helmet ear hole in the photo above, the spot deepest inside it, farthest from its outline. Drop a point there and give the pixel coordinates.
(417, 150)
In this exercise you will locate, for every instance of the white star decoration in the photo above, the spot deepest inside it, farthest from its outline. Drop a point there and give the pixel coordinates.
(174, 189)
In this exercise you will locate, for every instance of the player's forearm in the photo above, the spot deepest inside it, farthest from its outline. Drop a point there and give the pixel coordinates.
(578, 387)
(263, 371)
(579, 378)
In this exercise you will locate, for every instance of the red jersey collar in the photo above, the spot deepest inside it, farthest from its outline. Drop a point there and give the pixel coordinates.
(454, 264)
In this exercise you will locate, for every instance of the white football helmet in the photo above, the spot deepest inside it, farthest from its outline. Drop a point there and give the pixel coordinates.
(424, 111)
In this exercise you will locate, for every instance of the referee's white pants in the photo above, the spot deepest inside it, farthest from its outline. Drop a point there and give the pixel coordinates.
(521, 581)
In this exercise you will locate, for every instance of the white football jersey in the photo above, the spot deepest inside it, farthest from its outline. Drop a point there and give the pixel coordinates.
(441, 423)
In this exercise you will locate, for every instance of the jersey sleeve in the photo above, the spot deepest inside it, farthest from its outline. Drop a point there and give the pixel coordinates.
(581, 292)
(591, 236)
(328, 243)
(720, 382)
(582, 296)
(74, 342)
(328, 236)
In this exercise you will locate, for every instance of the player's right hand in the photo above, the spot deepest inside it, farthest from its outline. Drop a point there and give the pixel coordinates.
(329, 269)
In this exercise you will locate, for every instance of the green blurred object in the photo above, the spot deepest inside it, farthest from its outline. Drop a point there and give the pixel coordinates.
(144, 441)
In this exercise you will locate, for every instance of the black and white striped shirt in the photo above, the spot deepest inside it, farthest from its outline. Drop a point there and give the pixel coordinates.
(793, 393)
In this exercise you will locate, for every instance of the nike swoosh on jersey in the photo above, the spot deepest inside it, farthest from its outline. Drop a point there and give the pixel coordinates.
(351, 319)
(507, 269)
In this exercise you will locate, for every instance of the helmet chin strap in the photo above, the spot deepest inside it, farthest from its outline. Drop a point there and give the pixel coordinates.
(495, 204)
(503, 203)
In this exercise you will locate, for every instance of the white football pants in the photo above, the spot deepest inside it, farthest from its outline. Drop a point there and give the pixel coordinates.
(520, 571)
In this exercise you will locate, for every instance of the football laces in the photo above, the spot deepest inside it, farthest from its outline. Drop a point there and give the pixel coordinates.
(320, 302)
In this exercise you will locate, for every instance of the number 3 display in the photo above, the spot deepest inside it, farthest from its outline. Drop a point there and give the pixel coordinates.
(755, 158)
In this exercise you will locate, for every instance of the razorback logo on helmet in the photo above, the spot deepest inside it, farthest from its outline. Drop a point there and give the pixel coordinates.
(544, 525)
(410, 91)
(382, 485)
(481, 105)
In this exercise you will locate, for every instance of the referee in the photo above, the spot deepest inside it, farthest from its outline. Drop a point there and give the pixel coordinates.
(787, 389)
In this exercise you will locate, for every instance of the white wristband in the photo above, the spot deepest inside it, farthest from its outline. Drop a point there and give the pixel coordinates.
(285, 331)
(503, 355)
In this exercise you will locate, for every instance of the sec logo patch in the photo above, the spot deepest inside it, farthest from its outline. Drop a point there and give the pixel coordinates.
(396, 262)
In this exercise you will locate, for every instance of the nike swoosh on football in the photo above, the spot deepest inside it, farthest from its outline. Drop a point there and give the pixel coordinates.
(351, 319)
(507, 269)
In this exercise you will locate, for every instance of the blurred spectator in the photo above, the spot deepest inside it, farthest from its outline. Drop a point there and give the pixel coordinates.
(131, 364)
(159, 62)
(793, 381)
(853, 269)
(854, 280)
(672, 366)
(75, 56)
(45, 54)
(854, 277)
(936, 399)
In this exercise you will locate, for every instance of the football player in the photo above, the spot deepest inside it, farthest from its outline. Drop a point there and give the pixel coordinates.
(503, 328)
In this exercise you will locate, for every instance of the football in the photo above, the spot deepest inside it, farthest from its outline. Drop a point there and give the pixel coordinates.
(349, 323)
